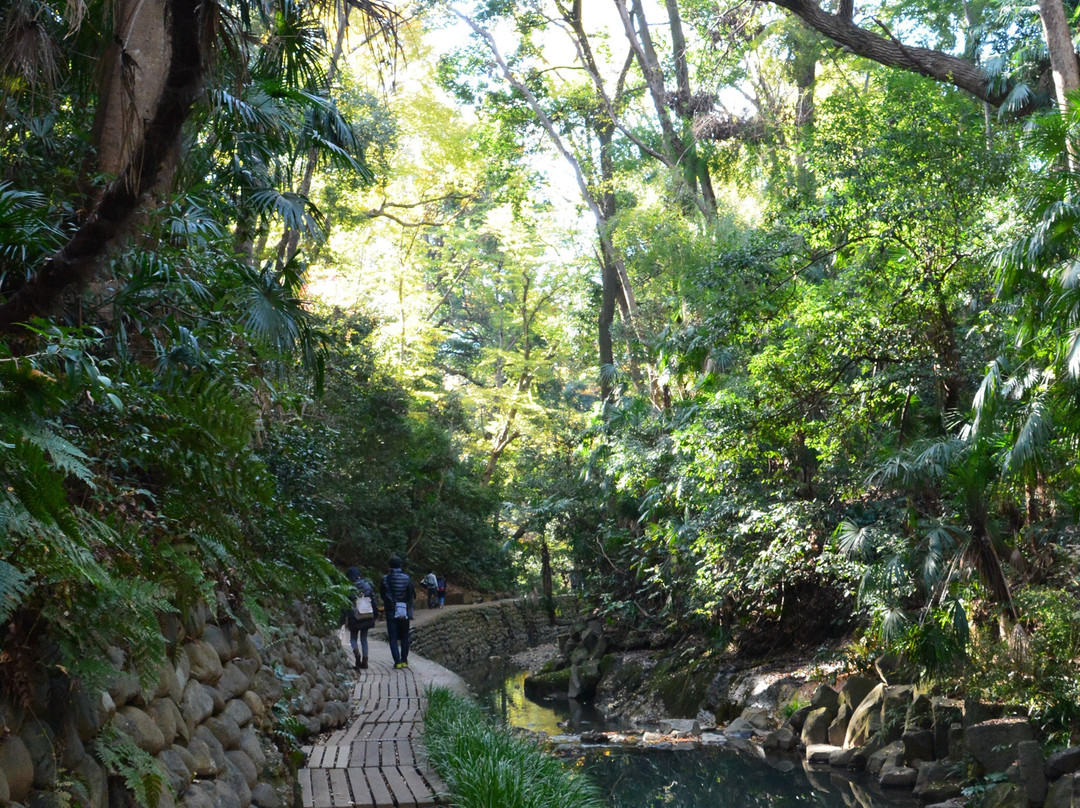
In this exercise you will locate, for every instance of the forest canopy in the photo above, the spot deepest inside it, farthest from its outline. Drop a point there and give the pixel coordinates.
(753, 321)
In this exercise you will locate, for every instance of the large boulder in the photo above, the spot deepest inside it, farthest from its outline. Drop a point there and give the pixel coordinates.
(993, 744)
(866, 720)
(854, 690)
(938, 781)
(176, 769)
(783, 740)
(264, 796)
(1063, 762)
(839, 725)
(816, 727)
(234, 681)
(891, 755)
(893, 669)
(1005, 795)
(1032, 771)
(17, 767)
(943, 714)
(225, 730)
(894, 708)
(38, 737)
(825, 696)
(820, 753)
(1064, 792)
(798, 718)
(918, 745)
(897, 776)
(584, 678)
(166, 715)
(920, 714)
(239, 712)
(215, 637)
(92, 775)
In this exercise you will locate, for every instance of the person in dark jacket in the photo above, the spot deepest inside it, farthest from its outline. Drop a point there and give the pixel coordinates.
(359, 624)
(398, 594)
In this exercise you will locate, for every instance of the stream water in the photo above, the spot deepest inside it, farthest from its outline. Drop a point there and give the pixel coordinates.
(724, 776)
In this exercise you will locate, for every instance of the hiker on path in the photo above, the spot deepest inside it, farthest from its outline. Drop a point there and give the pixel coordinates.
(431, 584)
(398, 594)
(360, 616)
(440, 590)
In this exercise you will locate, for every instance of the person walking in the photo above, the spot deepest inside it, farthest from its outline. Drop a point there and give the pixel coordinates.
(430, 584)
(360, 616)
(398, 594)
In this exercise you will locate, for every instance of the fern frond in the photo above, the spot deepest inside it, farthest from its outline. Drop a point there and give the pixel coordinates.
(15, 585)
(141, 773)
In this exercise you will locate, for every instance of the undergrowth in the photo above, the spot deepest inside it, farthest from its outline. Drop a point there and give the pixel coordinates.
(485, 765)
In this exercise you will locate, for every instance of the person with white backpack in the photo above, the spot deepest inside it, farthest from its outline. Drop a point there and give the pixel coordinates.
(361, 616)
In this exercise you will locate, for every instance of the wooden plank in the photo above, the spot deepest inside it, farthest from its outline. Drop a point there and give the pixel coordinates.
(320, 789)
(379, 790)
(423, 793)
(361, 791)
(403, 796)
(305, 788)
(339, 789)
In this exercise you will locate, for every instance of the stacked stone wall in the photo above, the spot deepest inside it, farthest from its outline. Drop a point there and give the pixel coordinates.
(208, 717)
(463, 638)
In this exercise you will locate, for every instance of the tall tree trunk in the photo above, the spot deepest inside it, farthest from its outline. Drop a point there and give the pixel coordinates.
(679, 153)
(75, 264)
(695, 162)
(804, 67)
(545, 572)
(587, 192)
(1062, 60)
(133, 76)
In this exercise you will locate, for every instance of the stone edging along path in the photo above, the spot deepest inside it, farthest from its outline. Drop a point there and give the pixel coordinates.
(378, 760)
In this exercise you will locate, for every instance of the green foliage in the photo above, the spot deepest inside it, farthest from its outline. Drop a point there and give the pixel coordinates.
(484, 763)
(382, 474)
(142, 774)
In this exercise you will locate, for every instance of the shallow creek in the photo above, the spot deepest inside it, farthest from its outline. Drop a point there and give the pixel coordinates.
(724, 776)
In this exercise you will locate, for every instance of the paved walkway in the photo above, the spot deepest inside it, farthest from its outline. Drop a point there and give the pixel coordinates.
(378, 760)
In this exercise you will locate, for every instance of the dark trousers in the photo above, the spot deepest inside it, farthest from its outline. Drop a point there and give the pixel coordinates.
(397, 630)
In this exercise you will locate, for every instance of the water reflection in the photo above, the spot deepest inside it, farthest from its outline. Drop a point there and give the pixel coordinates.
(651, 778)
(726, 777)
(502, 690)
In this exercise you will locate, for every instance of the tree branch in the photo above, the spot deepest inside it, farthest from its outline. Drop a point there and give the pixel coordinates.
(892, 53)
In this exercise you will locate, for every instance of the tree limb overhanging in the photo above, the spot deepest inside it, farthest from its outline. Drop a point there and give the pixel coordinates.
(75, 263)
(892, 53)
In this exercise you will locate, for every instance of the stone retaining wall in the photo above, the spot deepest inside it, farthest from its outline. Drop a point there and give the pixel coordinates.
(462, 638)
(208, 718)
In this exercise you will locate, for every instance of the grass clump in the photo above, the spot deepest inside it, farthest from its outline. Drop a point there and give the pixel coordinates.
(485, 765)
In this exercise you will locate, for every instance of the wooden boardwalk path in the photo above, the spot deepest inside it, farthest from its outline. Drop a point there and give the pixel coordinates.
(377, 760)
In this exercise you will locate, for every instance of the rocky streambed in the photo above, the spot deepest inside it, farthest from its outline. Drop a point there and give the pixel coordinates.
(894, 734)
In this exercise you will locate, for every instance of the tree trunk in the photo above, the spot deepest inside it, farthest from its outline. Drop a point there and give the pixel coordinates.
(75, 264)
(804, 67)
(545, 566)
(1062, 60)
(133, 76)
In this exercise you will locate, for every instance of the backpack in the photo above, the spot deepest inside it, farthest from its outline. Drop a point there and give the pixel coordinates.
(362, 608)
